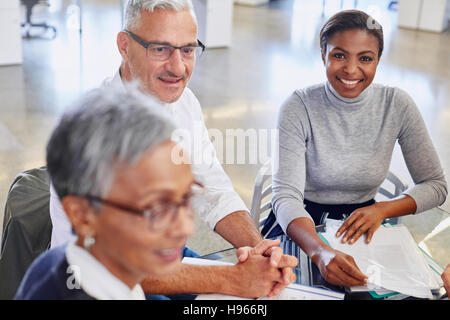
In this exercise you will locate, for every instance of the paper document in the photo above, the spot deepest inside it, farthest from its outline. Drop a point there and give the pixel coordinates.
(392, 260)
(205, 262)
(300, 292)
(291, 292)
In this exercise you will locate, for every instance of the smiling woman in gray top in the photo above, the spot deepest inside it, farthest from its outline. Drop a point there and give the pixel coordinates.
(336, 144)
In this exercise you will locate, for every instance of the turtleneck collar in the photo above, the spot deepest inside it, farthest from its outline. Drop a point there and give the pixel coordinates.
(348, 103)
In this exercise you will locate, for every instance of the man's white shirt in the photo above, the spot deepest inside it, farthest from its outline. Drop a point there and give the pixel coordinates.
(219, 200)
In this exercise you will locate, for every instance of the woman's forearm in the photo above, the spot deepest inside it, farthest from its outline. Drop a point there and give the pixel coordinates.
(336, 267)
(303, 232)
(401, 206)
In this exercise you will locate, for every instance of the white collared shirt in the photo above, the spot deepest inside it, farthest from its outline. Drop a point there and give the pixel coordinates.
(95, 279)
(220, 199)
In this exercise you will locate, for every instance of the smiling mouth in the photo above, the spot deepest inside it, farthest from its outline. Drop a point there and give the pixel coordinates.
(170, 80)
(170, 254)
(349, 83)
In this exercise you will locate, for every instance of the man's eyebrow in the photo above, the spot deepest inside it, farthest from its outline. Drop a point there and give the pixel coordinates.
(165, 43)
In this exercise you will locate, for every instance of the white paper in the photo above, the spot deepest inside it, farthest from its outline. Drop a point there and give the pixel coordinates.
(291, 292)
(391, 260)
(205, 262)
(300, 292)
(218, 296)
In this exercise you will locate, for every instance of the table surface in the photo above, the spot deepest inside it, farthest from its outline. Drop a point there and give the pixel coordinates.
(430, 230)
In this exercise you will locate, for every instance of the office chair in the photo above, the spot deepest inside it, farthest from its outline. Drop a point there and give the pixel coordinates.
(27, 227)
(393, 5)
(263, 189)
(29, 4)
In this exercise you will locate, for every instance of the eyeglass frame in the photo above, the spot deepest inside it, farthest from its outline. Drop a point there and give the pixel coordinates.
(147, 213)
(146, 44)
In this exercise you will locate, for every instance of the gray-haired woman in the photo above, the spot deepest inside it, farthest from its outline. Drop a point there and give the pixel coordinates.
(110, 162)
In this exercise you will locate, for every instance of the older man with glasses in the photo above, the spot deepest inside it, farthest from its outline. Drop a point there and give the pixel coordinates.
(159, 47)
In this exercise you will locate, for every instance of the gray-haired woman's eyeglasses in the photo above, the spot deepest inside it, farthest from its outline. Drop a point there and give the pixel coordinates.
(161, 213)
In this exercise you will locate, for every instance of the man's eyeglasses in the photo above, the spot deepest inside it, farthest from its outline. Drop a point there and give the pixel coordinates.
(161, 52)
(160, 214)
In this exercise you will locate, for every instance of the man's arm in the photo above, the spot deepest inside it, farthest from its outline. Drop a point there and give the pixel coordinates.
(253, 278)
(238, 229)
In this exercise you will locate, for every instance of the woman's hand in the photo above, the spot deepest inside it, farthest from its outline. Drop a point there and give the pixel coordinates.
(363, 220)
(446, 278)
(339, 268)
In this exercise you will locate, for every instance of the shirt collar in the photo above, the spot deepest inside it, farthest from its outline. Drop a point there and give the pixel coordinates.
(96, 280)
(350, 104)
(117, 81)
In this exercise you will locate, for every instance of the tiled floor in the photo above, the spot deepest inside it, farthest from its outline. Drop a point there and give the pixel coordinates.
(274, 51)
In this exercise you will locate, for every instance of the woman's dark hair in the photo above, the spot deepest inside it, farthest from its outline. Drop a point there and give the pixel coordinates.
(349, 20)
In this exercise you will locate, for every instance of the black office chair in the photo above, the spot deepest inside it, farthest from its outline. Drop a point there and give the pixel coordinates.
(29, 4)
(27, 227)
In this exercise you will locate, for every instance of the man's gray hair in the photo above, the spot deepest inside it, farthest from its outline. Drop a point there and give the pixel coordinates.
(135, 7)
(104, 129)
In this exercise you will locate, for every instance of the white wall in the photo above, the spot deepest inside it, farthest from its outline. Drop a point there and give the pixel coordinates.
(428, 15)
(215, 22)
(10, 32)
(251, 2)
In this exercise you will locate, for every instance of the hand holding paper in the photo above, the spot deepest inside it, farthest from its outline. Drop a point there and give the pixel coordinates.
(339, 268)
(392, 260)
(367, 220)
(363, 220)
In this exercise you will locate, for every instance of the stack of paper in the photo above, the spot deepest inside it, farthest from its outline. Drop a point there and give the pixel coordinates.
(392, 260)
